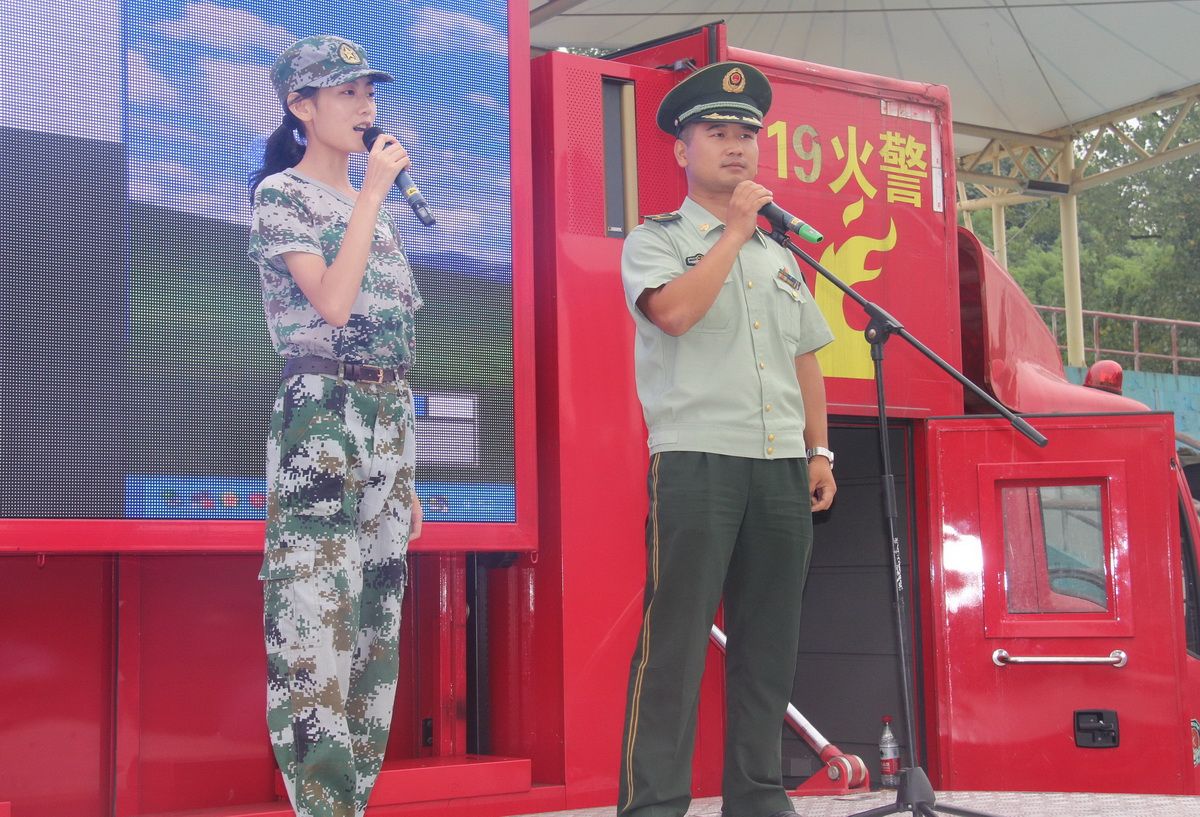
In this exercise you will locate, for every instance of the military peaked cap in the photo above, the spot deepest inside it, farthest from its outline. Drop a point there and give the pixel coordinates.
(732, 92)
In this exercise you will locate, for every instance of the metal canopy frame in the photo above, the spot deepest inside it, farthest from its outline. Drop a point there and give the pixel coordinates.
(1010, 160)
(1016, 168)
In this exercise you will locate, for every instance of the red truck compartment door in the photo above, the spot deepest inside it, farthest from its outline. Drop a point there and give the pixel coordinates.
(1055, 618)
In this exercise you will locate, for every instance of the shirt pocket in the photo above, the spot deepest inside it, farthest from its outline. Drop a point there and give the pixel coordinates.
(788, 309)
(797, 294)
(722, 315)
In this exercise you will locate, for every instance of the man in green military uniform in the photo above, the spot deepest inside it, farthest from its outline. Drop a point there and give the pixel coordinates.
(734, 401)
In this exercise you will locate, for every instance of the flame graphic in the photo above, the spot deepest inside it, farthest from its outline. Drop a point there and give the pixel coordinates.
(849, 355)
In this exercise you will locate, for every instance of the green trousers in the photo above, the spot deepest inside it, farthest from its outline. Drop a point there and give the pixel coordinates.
(730, 527)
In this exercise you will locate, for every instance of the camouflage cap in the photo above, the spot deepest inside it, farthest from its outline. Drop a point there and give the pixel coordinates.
(731, 92)
(321, 62)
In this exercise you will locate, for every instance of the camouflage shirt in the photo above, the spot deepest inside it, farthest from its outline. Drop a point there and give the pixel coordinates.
(293, 213)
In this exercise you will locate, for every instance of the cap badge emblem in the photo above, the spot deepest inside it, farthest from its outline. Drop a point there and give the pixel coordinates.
(349, 55)
(734, 81)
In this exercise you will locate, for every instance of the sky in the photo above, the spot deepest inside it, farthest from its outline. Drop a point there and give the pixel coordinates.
(185, 85)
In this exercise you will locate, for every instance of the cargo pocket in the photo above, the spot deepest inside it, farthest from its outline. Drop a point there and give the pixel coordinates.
(284, 563)
(287, 592)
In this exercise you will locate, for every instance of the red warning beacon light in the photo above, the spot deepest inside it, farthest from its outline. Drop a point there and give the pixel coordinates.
(1106, 375)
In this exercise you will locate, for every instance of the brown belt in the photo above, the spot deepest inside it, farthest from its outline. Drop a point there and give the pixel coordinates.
(361, 372)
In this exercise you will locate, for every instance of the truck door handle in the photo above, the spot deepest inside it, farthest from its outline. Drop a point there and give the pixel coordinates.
(1116, 658)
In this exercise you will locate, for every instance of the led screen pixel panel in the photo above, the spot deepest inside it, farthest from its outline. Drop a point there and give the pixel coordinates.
(137, 377)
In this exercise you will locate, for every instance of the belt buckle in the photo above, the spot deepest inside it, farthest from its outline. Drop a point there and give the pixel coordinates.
(376, 373)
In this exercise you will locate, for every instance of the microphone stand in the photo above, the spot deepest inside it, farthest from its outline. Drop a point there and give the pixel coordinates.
(914, 794)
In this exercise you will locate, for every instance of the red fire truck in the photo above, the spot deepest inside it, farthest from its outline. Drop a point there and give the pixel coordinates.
(1055, 620)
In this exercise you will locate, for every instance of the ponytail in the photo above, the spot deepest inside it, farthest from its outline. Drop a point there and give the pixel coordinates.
(283, 150)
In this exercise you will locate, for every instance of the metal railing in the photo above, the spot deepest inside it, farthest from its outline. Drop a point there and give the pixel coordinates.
(1172, 343)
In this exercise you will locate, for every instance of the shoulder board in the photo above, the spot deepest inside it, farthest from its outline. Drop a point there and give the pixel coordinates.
(663, 218)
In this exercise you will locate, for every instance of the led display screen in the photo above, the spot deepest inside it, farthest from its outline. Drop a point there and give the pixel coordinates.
(137, 377)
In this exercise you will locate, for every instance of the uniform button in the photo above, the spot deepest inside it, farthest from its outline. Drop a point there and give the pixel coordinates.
(762, 365)
(768, 406)
(770, 450)
(749, 285)
(757, 324)
(770, 438)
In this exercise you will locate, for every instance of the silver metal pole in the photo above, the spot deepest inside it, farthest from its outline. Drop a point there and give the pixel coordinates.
(800, 724)
(1068, 216)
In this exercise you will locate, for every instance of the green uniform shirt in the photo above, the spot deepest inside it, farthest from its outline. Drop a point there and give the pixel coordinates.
(293, 213)
(728, 385)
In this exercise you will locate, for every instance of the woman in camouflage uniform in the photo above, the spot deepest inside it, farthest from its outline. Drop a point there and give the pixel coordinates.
(340, 299)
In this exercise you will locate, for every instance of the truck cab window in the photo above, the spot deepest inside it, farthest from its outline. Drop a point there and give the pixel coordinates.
(1191, 595)
(1055, 554)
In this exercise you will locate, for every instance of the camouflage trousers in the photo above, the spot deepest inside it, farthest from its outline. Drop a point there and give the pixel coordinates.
(340, 465)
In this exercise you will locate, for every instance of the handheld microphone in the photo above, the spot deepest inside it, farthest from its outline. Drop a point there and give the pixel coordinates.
(783, 220)
(404, 181)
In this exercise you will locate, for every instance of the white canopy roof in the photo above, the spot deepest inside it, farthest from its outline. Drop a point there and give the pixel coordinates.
(1029, 66)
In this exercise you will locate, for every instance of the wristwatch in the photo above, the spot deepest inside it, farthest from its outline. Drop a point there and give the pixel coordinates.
(820, 451)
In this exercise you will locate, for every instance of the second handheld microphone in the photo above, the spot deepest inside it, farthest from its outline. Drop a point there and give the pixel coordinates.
(404, 181)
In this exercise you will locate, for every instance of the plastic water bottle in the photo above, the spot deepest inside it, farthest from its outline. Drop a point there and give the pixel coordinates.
(889, 756)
